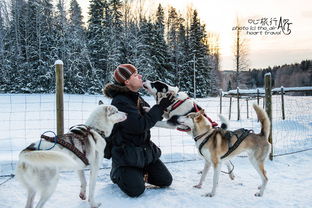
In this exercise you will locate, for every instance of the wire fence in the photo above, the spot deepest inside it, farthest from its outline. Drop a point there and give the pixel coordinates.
(24, 117)
(291, 117)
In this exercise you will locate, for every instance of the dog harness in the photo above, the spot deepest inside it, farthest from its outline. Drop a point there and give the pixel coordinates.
(76, 140)
(178, 103)
(240, 134)
(196, 108)
(213, 123)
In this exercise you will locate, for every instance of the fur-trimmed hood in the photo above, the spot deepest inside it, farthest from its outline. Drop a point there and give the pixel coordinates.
(111, 90)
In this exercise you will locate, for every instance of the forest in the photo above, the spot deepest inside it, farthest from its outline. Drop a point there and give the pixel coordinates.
(287, 75)
(164, 45)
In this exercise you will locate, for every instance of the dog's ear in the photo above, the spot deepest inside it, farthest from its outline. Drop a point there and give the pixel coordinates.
(173, 89)
(100, 102)
(176, 90)
(110, 110)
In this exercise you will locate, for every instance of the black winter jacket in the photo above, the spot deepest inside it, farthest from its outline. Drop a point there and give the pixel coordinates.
(131, 144)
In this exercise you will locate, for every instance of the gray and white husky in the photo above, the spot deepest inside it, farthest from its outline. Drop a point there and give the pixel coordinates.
(38, 168)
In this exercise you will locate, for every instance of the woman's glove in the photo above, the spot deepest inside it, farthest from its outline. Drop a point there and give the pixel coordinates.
(166, 101)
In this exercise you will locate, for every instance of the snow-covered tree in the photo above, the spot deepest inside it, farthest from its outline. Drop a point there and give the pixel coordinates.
(177, 41)
(160, 50)
(36, 34)
(203, 61)
(79, 67)
(98, 44)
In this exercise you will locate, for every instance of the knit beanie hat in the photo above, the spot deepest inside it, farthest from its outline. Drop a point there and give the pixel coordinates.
(123, 72)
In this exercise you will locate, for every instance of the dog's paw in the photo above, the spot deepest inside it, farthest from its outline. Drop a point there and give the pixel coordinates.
(82, 195)
(95, 205)
(199, 186)
(232, 176)
(258, 194)
(209, 195)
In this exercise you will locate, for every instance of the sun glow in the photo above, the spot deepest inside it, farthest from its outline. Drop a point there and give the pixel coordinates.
(219, 16)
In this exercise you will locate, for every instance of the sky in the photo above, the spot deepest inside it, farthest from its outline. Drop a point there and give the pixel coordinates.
(263, 49)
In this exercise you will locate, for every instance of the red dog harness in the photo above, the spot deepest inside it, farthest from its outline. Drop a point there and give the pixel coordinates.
(180, 102)
(213, 123)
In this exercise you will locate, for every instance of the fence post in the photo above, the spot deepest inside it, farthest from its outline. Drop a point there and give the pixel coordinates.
(247, 99)
(258, 96)
(220, 93)
(230, 110)
(59, 93)
(238, 108)
(283, 107)
(268, 106)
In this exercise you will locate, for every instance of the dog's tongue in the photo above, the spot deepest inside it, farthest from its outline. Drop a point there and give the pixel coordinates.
(184, 130)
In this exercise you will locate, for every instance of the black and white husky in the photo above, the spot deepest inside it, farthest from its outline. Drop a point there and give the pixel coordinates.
(38, 168)
(182, 106)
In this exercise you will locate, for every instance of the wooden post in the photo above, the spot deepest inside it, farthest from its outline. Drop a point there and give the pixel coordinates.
(247, 107)
(283, 107)
(59, 93)
(220, 93)
(230, 110)
(238, 108)
(258, 96)
(268, 106)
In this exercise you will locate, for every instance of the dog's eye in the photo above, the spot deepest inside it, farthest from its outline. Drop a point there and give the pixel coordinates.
(112, 112)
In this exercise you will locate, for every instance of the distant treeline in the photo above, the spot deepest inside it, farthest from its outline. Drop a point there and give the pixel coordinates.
(288, 75)
(163, 45)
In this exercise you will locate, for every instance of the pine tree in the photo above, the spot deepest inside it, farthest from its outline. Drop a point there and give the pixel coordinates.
(176, 38)
(160, 51)
(43, 64)
(3, 78)
(203, 61)
(183, 59)
(116, 32)
(143, 58)
(13, 45)
(98, 42)
(79, 72)
(5, 67)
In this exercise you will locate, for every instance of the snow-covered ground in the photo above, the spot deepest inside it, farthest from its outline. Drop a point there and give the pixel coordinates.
(290, 183)
(25, 117)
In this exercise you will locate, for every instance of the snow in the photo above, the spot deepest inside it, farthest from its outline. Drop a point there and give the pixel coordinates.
(261, 91)
(58, 62)
(290, 178)
(290, 183)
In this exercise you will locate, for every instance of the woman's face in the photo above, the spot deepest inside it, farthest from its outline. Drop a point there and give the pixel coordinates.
(134, 83)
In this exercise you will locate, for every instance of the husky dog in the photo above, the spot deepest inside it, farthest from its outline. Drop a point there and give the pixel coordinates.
(217, 145)
(39, 164)
(182, 105)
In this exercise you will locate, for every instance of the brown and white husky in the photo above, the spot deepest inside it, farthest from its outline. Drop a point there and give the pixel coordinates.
(213, 144)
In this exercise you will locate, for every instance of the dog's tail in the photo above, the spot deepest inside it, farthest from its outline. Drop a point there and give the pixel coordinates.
(51, 159)
(224, 122)
(264, 119)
